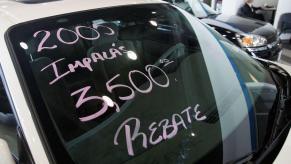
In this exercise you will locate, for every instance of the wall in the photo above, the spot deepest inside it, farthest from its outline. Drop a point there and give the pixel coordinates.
(230, 7)
(262, 2)
(283, 7)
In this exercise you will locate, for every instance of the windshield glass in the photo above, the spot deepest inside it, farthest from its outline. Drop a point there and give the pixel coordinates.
(131, 85)
(121, 85)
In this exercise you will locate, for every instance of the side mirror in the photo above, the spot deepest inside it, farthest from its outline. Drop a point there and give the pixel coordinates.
(5, 154)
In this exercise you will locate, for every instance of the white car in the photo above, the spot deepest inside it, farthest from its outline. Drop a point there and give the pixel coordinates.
(136, 82)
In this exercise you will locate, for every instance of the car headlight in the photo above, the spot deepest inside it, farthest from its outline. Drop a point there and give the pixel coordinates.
(251, 40)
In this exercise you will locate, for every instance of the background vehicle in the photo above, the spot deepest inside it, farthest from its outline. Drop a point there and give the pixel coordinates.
(135, 82)
(256, 37)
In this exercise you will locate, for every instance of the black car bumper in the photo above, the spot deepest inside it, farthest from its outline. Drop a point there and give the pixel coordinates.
(271, 51)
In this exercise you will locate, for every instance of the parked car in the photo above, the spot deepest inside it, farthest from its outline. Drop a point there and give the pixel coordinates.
(133, 81)
(257, 38)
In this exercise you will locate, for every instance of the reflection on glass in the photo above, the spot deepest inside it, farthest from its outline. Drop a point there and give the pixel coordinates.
(131, 55)
(23, 45)
(154, 23)
(108, 101)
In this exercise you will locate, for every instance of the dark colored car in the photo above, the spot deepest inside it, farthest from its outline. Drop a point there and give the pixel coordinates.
(258, 38)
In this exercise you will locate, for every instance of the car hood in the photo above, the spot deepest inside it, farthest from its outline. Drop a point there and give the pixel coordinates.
(287, 68)
(243, 25)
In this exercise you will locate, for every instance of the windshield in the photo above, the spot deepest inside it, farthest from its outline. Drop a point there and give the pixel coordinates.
(195, 7)
(131, 85)
(120, 85)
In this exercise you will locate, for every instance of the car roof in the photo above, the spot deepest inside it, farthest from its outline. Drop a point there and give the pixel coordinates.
(17, 11)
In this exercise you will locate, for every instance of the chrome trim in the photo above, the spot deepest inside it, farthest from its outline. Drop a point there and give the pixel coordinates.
(266, 47)
(258, 49)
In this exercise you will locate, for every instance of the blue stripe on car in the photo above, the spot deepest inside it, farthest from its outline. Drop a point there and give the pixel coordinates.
(245, 91)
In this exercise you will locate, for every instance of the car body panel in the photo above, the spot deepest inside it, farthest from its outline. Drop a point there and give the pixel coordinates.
(242, 25)
(287, 68)
(20, 12)
(19, 102)
(6, 157)
(221, 24)
(284, 155)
